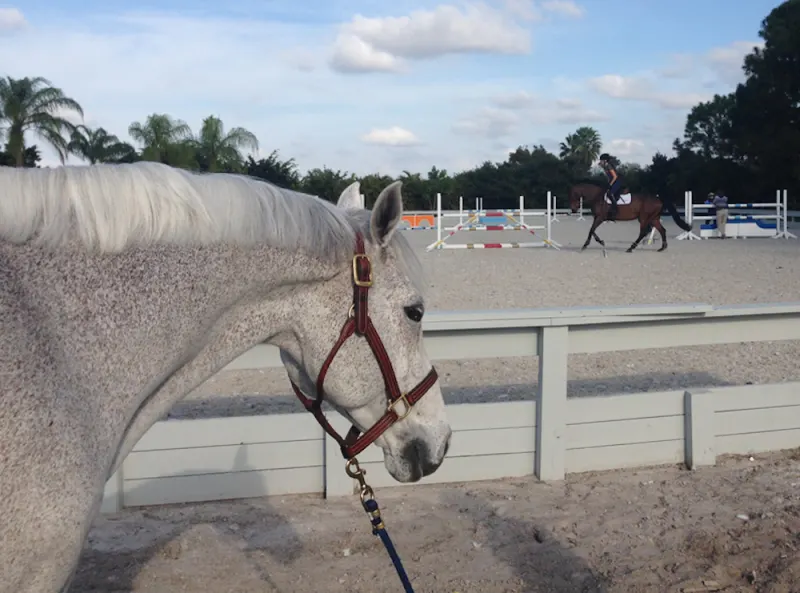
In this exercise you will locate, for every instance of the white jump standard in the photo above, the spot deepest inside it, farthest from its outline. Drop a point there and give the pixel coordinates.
(741, 224)
(474, 223)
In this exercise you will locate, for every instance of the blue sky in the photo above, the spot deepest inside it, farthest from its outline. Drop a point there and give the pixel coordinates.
(368, 85)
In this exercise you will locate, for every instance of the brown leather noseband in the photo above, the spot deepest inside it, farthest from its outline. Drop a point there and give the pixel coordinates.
(359, 322)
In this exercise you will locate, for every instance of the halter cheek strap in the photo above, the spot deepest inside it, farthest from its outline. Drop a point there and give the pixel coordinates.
(399, 404)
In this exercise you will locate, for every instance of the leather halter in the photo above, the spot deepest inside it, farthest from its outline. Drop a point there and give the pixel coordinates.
(359, 322)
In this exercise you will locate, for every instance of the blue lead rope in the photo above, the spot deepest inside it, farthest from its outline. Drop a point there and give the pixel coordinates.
(370, 505)
(379, 529)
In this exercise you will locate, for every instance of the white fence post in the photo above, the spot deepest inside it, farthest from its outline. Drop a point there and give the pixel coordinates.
(336, 481)
(439, 216)
(113, 494)
(551, 404)
(699, 429)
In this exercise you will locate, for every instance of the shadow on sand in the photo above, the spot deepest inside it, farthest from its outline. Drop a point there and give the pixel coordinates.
(120, 545)
(540, 563)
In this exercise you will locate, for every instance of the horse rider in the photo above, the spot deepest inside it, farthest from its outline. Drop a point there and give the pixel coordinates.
(614, 183)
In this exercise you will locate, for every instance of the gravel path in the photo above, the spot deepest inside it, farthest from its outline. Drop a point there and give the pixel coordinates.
(716, 272)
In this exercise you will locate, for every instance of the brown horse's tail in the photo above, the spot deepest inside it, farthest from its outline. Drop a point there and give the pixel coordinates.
(673, 212)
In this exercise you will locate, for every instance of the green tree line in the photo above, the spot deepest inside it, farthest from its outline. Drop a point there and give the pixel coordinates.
(746, 143)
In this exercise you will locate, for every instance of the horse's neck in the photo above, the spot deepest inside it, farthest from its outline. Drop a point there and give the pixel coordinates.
(592, 193)
(130, 321)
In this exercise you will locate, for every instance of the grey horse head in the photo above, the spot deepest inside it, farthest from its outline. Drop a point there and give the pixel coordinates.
(276, 267)
(354, 381)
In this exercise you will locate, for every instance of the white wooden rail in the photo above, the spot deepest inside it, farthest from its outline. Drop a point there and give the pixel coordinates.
(548, 436)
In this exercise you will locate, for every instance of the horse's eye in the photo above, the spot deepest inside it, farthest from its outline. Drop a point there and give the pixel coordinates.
(414, 313)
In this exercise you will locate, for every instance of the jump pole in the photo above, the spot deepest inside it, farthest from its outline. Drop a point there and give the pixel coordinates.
(480, 211)
(439, 239)
(689, 216)
(580, 211)
(783, 216)
(553, 207)
(461, 212)
(474, 216)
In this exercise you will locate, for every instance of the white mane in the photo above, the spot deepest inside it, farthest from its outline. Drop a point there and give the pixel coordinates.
(111, 207)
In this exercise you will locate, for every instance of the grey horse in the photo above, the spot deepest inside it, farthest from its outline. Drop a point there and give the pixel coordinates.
(123, 287)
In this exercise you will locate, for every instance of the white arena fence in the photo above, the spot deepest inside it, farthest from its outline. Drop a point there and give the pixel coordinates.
(549, 436)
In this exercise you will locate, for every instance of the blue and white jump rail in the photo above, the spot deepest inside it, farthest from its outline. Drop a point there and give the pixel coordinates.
(742, 223)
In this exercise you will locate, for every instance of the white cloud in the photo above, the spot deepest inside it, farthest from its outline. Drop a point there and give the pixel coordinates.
(352, 54)
(721, 64)
(679, 66)
(622, 87)
(394, 136)
(301, 59)
(684, 81)
(569, 103)
(563, 8)
(639, 88)
(536, 109)
(626, 147)
(518, 100)
(681, 101)
(510, 112)
(727, 61)
(489, 122)
(380, 44)
(11, 19)
(524, 9)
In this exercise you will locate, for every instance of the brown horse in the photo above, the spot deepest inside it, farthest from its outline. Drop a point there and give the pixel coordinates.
(644, 207)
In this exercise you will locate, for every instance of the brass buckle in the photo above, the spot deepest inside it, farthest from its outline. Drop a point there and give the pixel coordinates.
(403, 398)
(361, 283)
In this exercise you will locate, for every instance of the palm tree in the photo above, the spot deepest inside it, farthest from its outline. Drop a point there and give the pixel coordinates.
(217, 150)
(164, 139)
(34, 105)
(582, 147)
(98, 146)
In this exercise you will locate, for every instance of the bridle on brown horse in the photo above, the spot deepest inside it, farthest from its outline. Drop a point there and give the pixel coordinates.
(359, 322)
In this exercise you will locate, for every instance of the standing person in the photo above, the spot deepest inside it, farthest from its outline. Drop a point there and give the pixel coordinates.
(720, 202)
(614, 183)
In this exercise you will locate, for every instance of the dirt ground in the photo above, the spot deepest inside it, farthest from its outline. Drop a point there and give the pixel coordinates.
(734, 528)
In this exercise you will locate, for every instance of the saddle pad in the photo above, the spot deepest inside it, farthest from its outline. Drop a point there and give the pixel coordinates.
(623, 199)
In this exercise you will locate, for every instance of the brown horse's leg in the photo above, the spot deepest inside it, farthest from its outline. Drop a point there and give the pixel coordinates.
(662, 232)
(601, 217)
(643, 228)
(595, 223)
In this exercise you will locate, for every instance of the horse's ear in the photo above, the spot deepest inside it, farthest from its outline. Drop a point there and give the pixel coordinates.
(387, 213)
(351, 197)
